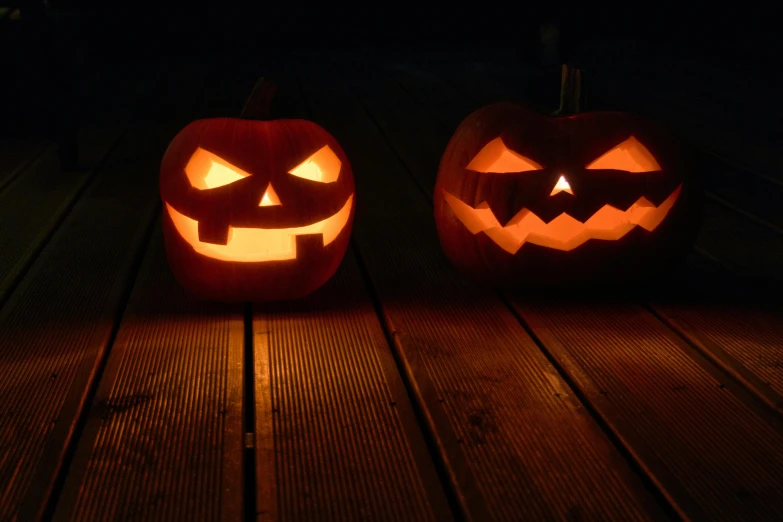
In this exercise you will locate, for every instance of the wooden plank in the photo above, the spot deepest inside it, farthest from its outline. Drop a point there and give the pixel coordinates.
(748, 247)
(164, 437)
(34, 204)
(336, 434)
(660, 397)
(15, 156)
(752, 248)
(752, 358)
(700, 435)
(56, 326)
(503, 420)
(334, 423)
(178, 379)
(736, 325)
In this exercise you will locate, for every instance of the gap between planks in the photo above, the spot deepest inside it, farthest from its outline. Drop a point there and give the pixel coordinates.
(79, 348)
(762, 413)
(758, 387)
(534, 499)
(334, 338)
(40, 198)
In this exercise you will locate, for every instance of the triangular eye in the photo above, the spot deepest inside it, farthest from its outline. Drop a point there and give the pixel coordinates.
(206, 170)
(630, 156)
(322, 166)
(496, 158)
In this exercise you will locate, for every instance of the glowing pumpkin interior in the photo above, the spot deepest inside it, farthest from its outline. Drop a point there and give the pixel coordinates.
(563, 232)
(206, 171)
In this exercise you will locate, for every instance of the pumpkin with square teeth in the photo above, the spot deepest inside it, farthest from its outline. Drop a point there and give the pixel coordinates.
(255, 210)
(523, 199)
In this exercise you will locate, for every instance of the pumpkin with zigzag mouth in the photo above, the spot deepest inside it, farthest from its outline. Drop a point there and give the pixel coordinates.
(523, 199)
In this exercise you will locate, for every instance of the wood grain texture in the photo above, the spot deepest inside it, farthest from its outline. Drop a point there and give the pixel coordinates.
(336, 433)
(514, 438)
(662, 402)
(34, 204)
(710, 310)
(164, 437)
(55, 327)
(346, 445)
(16, 156)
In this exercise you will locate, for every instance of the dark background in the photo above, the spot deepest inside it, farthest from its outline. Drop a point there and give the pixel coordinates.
(54, 46)
(185, 28)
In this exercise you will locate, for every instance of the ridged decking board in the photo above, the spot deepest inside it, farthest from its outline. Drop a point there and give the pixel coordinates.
(55, 327)
(711, 453)
(515, 440)
(714, 454)
(336, 434)
(164, 438)
(747, 247)
(34, 203)
(337, 438)
(15, 156)
(751, 249)
(744, 336)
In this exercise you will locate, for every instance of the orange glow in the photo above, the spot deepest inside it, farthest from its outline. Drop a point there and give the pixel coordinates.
(252, 245)
(564, 232)
(323, 166)
(562, 185)
(270, 198)
(496, 158)
(206, 170)
(630, 156)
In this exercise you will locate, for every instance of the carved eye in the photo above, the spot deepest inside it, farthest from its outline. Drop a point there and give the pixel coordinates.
(206, 170)
(322, 166)
(630, 156)
(496, 158)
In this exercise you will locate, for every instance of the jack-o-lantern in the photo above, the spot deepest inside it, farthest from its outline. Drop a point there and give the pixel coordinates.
(255, 210)
(524, 199)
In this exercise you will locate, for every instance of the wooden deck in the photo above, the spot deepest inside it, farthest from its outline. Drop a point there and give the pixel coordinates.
(400, 391)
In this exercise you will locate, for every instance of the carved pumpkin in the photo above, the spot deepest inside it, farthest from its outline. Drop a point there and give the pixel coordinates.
(524, 199)
(255, 210)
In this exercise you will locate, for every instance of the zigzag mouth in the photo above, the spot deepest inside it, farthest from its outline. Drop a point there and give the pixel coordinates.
(564, 232)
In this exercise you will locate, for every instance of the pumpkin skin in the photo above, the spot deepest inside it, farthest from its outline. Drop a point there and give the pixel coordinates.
(238, 225)
(593, 199)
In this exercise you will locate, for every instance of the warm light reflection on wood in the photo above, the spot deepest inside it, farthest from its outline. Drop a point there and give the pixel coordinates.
(630, 156)
(495, 157)
(564, 232)
(260, 244)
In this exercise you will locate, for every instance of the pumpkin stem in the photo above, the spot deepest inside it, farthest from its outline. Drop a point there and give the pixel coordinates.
(259, 102)
(570, 91)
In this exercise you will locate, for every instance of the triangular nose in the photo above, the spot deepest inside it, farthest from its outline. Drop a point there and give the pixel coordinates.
(269, 199)
(562, 185)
